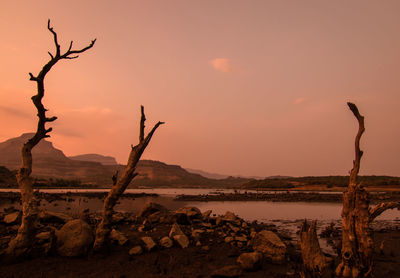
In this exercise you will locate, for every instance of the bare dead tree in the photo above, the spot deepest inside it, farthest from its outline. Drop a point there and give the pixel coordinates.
(119, 185)
(357, 241)
(23, 241)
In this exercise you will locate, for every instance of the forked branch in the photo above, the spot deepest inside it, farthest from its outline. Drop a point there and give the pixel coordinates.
(380, 208)
(119, 185)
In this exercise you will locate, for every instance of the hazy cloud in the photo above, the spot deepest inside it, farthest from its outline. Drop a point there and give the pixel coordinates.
(93, 110)
(221, 64)
(15, 112)
(299, 100)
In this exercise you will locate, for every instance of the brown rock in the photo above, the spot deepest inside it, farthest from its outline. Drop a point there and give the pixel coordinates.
(137, 250)
(151, 208)
(12, 218)
(166, 242)
(270, 245)
(118, 237)
(230, 271)
(74, 238)
(175, 230)
(191, 212)
(250, 261)
(149, 243)
(182, 240)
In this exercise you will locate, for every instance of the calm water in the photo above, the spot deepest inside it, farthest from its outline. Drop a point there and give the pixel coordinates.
(249, 210)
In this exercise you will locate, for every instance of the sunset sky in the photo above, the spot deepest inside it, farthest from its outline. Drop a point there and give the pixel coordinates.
(245, 87)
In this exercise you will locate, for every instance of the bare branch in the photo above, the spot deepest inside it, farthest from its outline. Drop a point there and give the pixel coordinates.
(55, 38)
(51, 55)
(142, 126)
(380, 208)
(358, 152)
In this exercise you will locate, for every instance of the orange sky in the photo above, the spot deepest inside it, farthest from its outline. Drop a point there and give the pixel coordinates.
(245, 87)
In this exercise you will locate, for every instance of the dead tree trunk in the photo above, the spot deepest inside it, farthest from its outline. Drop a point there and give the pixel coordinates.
(357, 242)
(23, 241)
(119, 185)
(315, 263)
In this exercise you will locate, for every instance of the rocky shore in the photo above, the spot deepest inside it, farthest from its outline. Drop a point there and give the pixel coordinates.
(157, 242)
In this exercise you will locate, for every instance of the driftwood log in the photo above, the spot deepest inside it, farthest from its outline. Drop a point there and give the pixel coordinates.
(21, 244)
(119, 185)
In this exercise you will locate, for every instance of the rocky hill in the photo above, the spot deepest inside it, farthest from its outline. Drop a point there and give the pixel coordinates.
(49, 162)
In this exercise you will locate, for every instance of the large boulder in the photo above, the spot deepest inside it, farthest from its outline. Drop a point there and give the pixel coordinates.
(250, 261)
(151, 208)
(270, 245)
(74, 238)
(166, 242)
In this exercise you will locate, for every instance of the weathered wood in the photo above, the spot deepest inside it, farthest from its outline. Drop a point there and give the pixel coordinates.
(316, 264)
(104, 228)
(357, 242)
(23, 241)
(380, 208)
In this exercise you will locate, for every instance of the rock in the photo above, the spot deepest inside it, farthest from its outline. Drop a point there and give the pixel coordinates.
(206, 225)
(250, 261)
(54, 217)
(175, 230)
(218, 221)
(233, 228)
(166, 242)
(241, 238)
(196, 234)
(137, 250)
(191, 212)
(270, 245)
(182, 240)
(229, 217)
(44, 236)
(149, 243)
(198, 243)
(205, 215)
(227, 271)
(12, 218)
(151, 208)
(74, 238)
(118, 236)
(228, 239)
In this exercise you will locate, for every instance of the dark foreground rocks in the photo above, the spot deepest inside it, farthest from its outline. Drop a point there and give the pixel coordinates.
(162, 243)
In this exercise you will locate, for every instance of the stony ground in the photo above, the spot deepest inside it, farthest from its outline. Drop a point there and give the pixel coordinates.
(161, 243)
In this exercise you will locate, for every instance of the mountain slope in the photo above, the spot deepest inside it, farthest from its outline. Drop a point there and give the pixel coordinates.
(49, 162)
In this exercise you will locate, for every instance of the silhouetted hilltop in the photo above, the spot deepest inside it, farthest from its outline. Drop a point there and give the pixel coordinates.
(51, 163)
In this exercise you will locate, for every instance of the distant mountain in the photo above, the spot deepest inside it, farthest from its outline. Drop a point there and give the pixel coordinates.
(49, 162)
(105, 160)
(207, 174)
